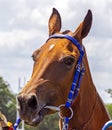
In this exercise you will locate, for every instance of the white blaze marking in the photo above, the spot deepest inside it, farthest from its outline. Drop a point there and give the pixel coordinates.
(51, 47)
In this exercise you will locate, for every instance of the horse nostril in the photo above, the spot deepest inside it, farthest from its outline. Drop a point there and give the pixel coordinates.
(32, 102)
(26, 102)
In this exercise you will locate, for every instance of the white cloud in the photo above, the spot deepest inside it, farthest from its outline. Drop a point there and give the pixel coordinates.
(100, 59)
(17, 36)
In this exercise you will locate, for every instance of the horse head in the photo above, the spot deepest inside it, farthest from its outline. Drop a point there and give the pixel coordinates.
(54, 66)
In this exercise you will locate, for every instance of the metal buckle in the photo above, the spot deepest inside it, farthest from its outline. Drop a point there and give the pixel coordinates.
(70, 111)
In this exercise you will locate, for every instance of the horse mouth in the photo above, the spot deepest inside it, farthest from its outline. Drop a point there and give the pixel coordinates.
(36, 117)
(44, 111)
(40, 116)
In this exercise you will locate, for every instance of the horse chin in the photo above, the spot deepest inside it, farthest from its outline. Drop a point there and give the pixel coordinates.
(37, 117)
(36, 120)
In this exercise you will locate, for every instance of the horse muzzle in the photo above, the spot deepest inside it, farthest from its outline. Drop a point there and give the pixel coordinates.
(33, 104)
(29, 109)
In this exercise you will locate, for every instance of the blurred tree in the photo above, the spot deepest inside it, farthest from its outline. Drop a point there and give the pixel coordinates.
(7, 101)
(109, 91)
(109, 107)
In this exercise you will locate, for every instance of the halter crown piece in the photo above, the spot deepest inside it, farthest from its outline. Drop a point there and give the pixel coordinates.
(76, 79)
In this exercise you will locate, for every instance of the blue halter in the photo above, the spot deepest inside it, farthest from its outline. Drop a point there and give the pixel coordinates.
(75, 84)
(77, 76)
(76, 79)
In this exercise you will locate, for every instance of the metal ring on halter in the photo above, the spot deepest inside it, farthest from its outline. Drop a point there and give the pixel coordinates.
(70, 111)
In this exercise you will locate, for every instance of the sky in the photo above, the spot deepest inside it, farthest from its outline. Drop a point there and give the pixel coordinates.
(24, 28)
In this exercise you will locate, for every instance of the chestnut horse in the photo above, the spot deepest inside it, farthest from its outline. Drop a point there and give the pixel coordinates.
(54, 66)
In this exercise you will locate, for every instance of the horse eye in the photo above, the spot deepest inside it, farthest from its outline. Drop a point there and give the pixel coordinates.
(69, 60)
(33, 57)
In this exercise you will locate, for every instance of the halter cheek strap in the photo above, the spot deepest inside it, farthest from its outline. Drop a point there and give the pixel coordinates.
(76, 79)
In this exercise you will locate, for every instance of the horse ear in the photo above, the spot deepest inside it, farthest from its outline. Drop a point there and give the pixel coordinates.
(54, 22)
(84, 28)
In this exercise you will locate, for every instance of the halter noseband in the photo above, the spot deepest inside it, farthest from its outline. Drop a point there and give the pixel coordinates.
(76, 79)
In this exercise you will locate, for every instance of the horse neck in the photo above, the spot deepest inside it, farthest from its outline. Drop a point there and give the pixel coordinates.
(89, 111)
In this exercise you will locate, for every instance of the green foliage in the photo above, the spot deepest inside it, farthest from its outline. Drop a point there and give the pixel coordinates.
(7, 101)
(109, 107)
